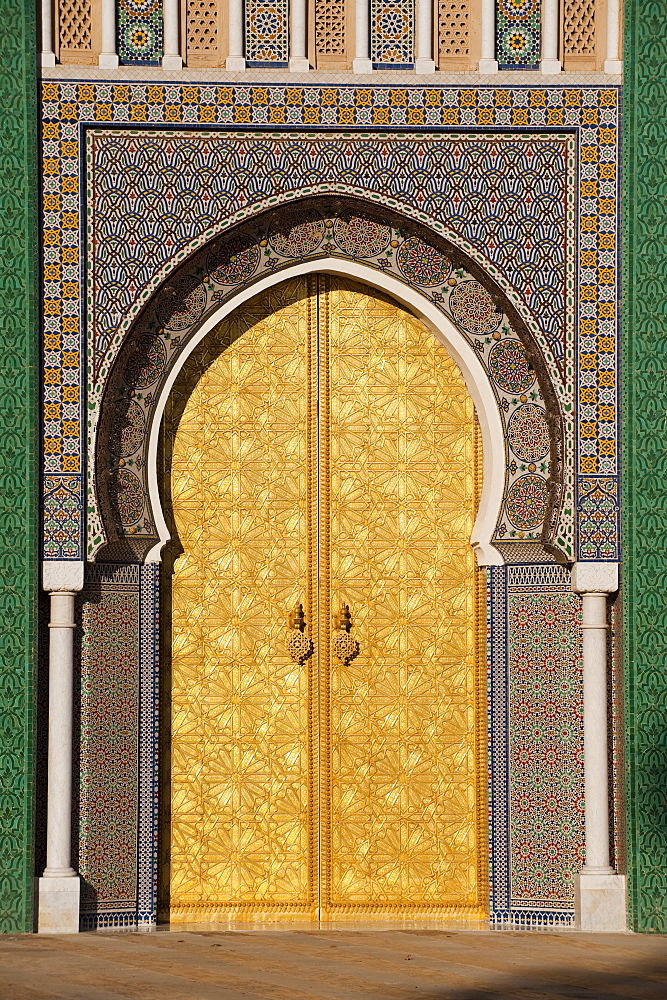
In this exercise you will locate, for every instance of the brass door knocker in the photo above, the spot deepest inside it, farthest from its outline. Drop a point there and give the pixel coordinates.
(299, 646)
(342, 643)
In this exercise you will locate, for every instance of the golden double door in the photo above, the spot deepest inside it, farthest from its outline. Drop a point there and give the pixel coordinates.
(323, 453)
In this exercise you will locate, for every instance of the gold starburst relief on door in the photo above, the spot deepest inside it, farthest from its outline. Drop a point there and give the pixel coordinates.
(323, 453)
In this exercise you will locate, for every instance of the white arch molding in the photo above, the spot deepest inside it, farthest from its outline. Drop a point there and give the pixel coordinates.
(474, 374)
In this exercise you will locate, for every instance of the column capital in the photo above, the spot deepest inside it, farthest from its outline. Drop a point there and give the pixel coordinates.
(62, 575)
(594, 577)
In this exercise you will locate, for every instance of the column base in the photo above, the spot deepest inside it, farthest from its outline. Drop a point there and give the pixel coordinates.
(424, 66)
(172, 63)
(298, 66)
(550, 66)
(362, 66)
(58, 905)
(600, 902)
(49, 59)
(487, 66)
(613, 66)
(108, 60)
(235, 63)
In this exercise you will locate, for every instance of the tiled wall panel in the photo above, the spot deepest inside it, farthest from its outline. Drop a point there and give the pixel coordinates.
(19, 321)
(645, 513)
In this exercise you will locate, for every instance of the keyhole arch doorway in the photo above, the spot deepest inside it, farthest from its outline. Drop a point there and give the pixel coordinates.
(324, 473)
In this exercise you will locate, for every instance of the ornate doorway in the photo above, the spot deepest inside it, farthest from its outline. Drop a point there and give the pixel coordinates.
(326, 752)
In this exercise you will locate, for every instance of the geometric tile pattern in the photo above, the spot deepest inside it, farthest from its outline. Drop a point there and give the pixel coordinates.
(597, 515)
(518, 34)
(503, 194)
(536, 747)
(117, 837)
(392, 34)
(272, 242)
(139, 32)
(590, 114)
(149, 677)
(267, 33)
(18, 462)
(645, 405)
(109, 747)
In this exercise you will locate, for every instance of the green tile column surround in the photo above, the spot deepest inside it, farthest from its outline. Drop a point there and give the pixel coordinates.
(645, 458)
(18, 465)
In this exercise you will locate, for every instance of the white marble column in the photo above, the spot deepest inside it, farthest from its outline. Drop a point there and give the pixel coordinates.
(58, 899)
(600, 892)
(613, 62)
(298, 58)
(236, 59)
(424, 63)
(488, 62)
(550, 62)
(362, 62)
(108, 56)
(47, 55)
(171, 58)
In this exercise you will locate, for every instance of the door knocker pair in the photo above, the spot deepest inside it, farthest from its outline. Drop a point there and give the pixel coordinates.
(300, 646)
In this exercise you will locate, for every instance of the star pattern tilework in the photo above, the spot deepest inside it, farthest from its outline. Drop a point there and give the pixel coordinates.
(589, 113)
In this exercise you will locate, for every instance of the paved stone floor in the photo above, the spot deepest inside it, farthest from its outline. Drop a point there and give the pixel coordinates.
(334, 964)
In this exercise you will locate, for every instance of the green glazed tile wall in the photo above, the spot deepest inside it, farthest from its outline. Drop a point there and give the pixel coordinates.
(18, 411)
(645, 459)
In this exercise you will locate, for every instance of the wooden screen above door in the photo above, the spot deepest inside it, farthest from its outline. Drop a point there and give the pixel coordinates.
(323, 453)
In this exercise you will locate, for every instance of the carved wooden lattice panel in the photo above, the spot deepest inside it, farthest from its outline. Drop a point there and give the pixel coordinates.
(327, 454)
(78, 31)
(331, 34)
(454, 33)
(579, 34)
(204, 31)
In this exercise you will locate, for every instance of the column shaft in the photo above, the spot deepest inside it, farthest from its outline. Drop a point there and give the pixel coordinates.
(425, 63)
(550, 31)
(298, 61)
(235, 59)
(362, 30)
(594, 625)
(59, 800)
(47, 55)
(108, 56)
(171, 58)
(488, 62)
(613, 62)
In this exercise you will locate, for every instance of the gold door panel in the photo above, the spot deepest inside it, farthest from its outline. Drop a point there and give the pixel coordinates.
(241, 759)
(400, 792)
(324, 451)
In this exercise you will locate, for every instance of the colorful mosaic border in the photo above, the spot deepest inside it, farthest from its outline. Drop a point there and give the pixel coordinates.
(392, 34)
(518, 34)
(117, 843)
(139, 32)
(272, 242)
(18, 461)
(267, 33)
(536, 744)
(590, 112)
(644, 510)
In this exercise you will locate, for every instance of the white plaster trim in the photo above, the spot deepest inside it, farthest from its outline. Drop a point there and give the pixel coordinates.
(461, 351)
(61, 575)
(595, 577)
